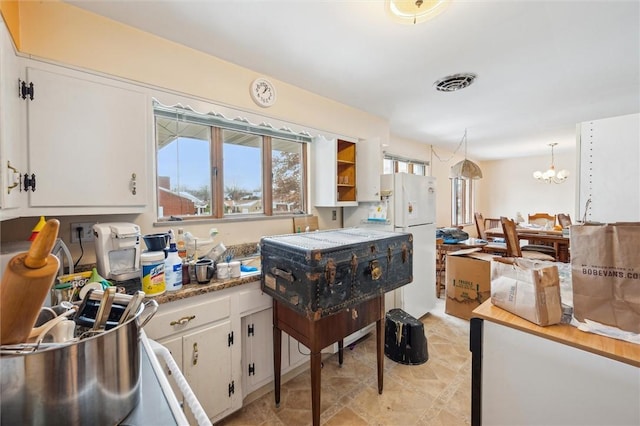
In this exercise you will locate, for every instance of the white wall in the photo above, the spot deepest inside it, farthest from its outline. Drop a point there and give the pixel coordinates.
(509, 187)
(59, 32)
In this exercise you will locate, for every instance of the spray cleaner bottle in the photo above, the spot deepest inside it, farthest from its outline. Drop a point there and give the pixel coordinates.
(173, 267)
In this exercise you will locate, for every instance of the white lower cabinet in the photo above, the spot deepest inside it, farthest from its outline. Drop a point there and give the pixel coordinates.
(201, 333)
(208, 370)
(223, 343)
(257, 340)
(257, 350)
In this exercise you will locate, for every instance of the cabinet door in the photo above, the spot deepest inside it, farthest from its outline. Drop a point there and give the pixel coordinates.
(174, 345)
(88, 139)
(207, 367)
(257, 344)
(369, 159)
(13, 152)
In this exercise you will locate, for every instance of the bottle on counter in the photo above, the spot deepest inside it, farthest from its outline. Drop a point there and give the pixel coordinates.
(181, 245)
(173, 269)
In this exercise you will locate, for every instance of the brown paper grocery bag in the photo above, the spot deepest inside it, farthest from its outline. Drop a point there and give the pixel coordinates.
(527, 288)
(605, 269)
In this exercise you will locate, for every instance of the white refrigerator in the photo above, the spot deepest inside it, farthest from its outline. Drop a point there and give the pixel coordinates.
(411, 207)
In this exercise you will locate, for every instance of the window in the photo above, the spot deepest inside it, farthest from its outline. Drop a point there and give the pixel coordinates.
(462, 201)
(208, 166)
(288, 178)
(242, 171)
(393, 164)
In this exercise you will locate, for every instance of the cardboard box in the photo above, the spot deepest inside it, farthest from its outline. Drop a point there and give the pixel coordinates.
(468, 281)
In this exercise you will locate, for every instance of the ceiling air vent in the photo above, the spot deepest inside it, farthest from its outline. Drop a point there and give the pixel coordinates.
(454, 82)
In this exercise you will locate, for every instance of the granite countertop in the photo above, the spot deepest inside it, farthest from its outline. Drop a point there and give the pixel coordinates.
(241, 251)
(190, 290)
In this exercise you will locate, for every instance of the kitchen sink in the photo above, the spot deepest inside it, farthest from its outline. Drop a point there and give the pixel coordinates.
(250, 261)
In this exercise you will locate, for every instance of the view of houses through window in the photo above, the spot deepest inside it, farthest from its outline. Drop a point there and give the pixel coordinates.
(208, 170)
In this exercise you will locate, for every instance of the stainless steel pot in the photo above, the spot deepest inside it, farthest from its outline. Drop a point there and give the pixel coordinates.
(92, 381)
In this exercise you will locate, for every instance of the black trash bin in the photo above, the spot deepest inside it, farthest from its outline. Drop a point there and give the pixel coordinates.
(404, 338)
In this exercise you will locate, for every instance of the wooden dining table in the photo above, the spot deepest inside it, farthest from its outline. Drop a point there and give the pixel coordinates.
(557, 239)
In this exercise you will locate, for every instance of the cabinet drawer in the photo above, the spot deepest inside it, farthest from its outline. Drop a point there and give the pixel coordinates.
(187, 314)
(252, 299)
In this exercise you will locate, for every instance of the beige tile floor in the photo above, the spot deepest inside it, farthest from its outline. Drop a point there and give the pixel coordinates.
(436, 393)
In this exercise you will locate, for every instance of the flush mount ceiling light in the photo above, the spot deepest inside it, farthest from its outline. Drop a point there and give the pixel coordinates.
(465, 169)
(413, 11)
(550, 176)
(454, 82)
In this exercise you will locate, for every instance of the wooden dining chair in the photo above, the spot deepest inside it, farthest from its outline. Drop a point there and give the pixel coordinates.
(529, 251)
(480, 225)
(492, 222)
(543, 219)
(491, 247)
(564, 220)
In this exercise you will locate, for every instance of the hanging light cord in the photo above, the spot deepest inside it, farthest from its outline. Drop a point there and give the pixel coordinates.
(464, 139)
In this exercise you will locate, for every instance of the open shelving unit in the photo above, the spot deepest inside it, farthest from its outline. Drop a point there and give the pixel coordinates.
(346, 169)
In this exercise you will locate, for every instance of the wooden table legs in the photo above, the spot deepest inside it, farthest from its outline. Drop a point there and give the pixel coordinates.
(318, 334)
(380, 352)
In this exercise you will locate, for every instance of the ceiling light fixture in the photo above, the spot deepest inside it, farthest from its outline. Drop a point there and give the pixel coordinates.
(413, 11)
(465, 169)
(550, 175)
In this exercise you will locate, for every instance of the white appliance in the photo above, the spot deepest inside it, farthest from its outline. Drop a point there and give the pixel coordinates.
(410, 202)
(412, 208)
(117, 250)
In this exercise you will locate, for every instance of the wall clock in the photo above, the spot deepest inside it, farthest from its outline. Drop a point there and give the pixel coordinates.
(263, 93)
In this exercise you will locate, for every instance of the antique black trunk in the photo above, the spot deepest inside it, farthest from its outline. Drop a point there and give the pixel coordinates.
(323, 272)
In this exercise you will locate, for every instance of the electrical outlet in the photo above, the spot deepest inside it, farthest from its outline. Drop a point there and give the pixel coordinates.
(333, 215)
(86, 234)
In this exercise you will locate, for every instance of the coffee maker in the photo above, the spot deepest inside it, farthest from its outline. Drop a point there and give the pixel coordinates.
(117, 250)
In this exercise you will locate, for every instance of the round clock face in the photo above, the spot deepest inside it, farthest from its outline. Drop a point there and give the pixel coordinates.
(263, 92)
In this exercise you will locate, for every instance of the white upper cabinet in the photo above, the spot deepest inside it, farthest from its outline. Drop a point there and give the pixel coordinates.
(88, 143)
(335, 176)
(13, 155)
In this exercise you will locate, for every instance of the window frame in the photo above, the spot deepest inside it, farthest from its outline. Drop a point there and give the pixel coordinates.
(462, 198)
(216, 144)
(412, 165)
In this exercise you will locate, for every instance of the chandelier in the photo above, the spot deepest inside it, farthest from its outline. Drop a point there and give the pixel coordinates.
(550, 175)
(465, 169)
(412, 11)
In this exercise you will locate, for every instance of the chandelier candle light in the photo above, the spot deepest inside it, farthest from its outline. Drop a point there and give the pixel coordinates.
(550, 175)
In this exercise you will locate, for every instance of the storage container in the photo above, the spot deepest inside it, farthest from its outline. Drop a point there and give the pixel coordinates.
(320, 273)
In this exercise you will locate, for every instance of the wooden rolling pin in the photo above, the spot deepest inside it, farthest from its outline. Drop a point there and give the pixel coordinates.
(25, 284)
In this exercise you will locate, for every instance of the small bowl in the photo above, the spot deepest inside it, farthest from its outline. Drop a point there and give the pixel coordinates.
(156, 242)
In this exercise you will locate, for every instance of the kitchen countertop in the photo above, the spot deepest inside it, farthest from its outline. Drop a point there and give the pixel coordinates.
(619, 350)
(190, 290)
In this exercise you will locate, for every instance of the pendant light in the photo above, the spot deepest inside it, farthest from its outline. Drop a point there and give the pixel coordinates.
(550, 176)
(465, 169)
